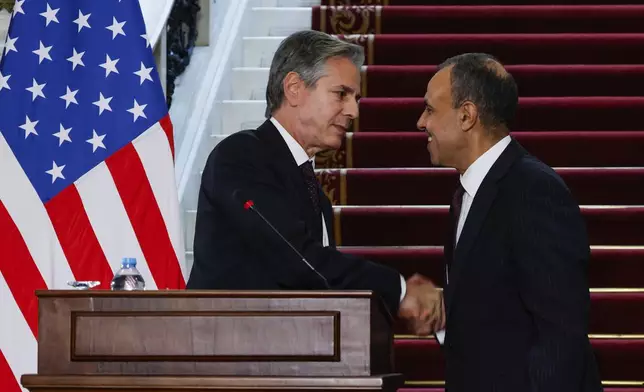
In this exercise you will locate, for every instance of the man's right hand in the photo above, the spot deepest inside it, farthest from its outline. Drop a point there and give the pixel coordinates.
(423, 307)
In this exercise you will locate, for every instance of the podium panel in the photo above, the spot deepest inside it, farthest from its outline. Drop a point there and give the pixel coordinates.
(210, 340)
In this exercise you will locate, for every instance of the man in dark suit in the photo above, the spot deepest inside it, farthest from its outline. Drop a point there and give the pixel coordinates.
(312, 97)
(517, 296)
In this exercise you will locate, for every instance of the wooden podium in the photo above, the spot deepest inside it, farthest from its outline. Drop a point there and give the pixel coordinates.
(91, 341)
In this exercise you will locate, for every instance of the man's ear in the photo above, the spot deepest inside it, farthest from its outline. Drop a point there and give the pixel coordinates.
(468, 116)
(292, 85)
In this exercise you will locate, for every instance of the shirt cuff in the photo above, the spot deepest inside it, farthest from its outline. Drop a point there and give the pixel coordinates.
(403, 288)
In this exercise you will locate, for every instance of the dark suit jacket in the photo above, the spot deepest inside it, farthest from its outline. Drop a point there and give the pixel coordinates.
(234, 249)
(518, 299)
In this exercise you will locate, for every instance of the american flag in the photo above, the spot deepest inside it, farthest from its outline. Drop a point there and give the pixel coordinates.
(86, 162)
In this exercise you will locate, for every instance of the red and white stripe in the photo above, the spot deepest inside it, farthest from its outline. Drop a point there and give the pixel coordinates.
(126, 206)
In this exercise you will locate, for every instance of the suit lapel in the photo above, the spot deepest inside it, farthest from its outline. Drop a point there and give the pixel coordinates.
(283, 158)
(478, 212)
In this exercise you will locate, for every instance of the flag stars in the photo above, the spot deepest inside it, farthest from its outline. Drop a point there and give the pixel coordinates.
(69, 97)
(29, 127)
(63, 135)
(147, 40)
(43, 53)
(144, 73)
(96, 141)
(137, 110)
(56, 172)
(4, 81)
(103, 104)
(116, 28)
(17, 7)
(50, 15)
(82, 21)
(36, 90)
(76, 59)
(10, 45)
(109, 65)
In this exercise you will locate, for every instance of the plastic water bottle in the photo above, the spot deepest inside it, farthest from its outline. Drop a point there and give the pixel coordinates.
(128, 277)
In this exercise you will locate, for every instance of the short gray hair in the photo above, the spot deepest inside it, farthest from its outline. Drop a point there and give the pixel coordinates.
(306, 53)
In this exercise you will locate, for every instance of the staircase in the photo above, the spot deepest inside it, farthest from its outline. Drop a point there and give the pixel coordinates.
(580, 72)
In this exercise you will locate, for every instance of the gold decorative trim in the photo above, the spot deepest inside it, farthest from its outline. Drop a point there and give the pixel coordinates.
(363, 80)
(370, 54)
(323, 19)
(617, 290)
(378, 20)
(623, 383)
(348, 149)
(343, 186)
(337, 226)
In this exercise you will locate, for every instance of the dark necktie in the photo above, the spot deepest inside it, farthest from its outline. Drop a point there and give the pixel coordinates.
(312, 185)
(457, 204)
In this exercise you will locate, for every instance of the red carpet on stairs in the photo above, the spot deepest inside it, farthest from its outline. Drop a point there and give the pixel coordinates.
(567, 48)
(610, 267)
(480, 19)
(534, 113)
(533, 80)
(556, 148)
(433, 185)
(617, 359)
(425, 225)
(580, 73)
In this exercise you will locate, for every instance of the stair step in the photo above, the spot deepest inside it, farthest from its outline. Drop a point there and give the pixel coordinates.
(278, 21)
(259, 51)
(249, 83)
(610, 267)
(555, 148)
(533, 114)
(568, 48)
(425, 225)
(426, 186)
(477, 19)
(617, 359)
(533, 80)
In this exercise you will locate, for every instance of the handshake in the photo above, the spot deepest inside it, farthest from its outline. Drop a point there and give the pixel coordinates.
(423, 307)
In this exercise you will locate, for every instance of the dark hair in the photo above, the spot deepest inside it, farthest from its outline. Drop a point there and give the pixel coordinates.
(479, 78)
(306, 53)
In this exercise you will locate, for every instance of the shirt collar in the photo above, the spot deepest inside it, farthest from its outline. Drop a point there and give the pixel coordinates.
(475, 174)
(297, 151)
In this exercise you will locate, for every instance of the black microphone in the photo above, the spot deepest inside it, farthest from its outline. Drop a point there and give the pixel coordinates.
(250, 205)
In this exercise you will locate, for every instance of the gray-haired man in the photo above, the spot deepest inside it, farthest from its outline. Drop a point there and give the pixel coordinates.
(312, 98)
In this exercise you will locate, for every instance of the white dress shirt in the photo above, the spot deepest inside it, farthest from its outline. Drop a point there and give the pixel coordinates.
(471, 181)
(301, 157)
(474, 176)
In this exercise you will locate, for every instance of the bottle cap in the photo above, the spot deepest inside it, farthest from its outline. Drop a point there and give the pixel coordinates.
(128, 262)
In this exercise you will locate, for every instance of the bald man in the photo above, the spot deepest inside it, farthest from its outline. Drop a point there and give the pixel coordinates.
(517, 296)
